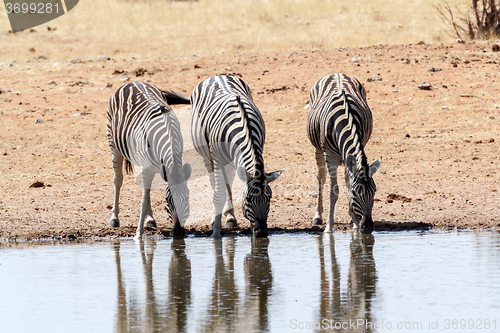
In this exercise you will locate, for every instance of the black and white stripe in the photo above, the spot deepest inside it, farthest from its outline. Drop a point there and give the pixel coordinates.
(228, 132)
(339, 125)
(143, 130)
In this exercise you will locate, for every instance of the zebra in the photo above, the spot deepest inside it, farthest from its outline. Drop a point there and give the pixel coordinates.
(339, 125)
(143, 130)
(228, 132)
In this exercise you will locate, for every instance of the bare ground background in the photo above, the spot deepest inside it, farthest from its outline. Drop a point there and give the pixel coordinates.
(440, 146)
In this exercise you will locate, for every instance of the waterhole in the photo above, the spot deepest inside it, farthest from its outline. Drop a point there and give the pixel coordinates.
(347, 282)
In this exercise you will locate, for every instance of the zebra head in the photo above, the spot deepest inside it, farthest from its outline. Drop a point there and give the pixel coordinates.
(177, 196)
(361, 189)
(257, 198)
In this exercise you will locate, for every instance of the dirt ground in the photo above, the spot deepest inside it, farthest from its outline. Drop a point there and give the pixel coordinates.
(440, 145)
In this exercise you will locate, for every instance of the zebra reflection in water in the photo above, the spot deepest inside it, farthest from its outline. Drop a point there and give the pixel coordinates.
(227, 312)
(337, 306)
(156, 314)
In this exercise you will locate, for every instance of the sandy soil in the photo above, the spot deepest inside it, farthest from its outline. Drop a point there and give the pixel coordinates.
(439, 146)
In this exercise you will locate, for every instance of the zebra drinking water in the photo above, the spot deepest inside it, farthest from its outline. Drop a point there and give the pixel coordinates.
(339, 125)
(228, 132)
(143, 130)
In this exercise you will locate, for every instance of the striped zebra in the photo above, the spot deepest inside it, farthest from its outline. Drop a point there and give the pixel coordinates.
(228, 132)
(143, 130)
(339, 125)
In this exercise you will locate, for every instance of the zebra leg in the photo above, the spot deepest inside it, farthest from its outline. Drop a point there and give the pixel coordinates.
(150, 221)
(117, 159)
(228, 207)
(332, 162)
(147, 179)
(209, 165)
(219, 200)
(321, 176)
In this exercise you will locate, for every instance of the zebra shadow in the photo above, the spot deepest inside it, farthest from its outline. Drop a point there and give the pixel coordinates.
(337, 306)
(154, 314)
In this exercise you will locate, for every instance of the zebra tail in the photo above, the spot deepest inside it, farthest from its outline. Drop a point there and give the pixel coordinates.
(173, 98)
(128, 166)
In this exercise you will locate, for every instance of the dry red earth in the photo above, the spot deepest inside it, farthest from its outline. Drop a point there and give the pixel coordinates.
(440, 146)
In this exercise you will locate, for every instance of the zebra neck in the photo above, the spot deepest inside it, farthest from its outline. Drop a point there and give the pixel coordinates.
(172, 155)
(251, 155)
(348, 137)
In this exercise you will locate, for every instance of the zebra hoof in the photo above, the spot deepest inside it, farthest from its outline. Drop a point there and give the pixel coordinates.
(151, 224)
(231, 224)
(115, 223)
(317, 222)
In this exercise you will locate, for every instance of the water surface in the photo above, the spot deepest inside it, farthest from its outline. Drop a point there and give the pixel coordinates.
(387, 282)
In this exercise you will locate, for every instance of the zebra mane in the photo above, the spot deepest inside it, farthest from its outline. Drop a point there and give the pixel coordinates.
(248, 135)
(358, 149)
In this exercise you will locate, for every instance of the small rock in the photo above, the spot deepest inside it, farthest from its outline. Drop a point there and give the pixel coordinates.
(407, 135)
(100, 57)
(38, 121)
(140, 72)
(460, 41)
(354, 59)
(126, 79)
(32, 49)
(76, 61)
(195, 55)
(425, 86)
(313, 194)
(37, 184)
(444, 108)
(119, 72)
(435, 69)
(495, 48)
(373, 79)
(53, 82)
(109, 85)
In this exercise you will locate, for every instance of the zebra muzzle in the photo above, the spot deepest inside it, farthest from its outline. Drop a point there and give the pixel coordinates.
(259, 229)
(366, 225)
(177, 231)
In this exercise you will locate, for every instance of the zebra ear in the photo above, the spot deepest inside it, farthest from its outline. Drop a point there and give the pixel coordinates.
(351, 164)
(374, 167)
(163, 173)
(186, 171)
(243, 174)
(272, 176)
